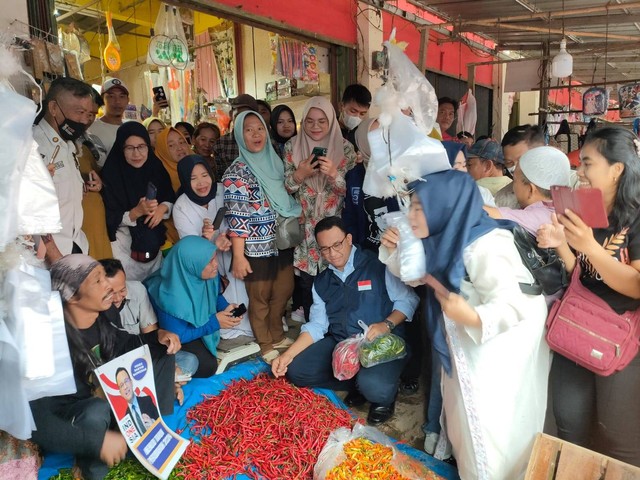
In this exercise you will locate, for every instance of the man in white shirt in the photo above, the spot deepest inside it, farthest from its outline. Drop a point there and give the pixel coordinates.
(67, 107)
(137, 315)
(116, 98)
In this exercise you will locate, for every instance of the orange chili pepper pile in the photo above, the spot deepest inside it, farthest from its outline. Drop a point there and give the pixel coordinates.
(365, 460)
(263, 428)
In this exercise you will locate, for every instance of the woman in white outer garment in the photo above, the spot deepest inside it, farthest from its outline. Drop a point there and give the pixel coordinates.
(488, 334)
(198, 202)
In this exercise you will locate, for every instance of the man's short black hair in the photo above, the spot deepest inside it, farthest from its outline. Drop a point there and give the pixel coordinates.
(328, 223)
(443, 100)
(357, 93)
(264, 104)
(97, 98)
(67, 84)
(122, 369)
(111, 266)
(187, 126)
(531, 134)
(464, 134)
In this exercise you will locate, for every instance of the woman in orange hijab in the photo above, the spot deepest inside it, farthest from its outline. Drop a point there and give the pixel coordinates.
(171, 147)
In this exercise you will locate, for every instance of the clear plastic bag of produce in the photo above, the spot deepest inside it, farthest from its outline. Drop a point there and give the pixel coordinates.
(346, 360)
(365, 452)
(382, 349)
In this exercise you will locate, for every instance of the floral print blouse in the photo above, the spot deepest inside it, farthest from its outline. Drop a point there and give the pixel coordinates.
(307, 256)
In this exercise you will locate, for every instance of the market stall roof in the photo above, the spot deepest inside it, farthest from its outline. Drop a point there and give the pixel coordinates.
(603, 36)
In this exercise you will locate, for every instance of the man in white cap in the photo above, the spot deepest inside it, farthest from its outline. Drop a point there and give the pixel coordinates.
(116, 98)
(537, 170)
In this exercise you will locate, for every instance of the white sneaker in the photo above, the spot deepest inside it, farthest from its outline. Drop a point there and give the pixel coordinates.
(430, 442)
(298, 315)
(285, 327)
(286, 342)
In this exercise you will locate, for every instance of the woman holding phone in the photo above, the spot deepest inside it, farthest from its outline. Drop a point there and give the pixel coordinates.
(588, 407)
(131, 175)
(185, 294)
(316, 161)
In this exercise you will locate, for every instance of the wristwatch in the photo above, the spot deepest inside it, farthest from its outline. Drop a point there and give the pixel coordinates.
(389, 324)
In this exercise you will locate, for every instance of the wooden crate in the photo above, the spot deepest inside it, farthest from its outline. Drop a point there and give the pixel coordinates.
(555, 459)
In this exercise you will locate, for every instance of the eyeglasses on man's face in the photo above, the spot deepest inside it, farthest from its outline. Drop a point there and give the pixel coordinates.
(335, 247)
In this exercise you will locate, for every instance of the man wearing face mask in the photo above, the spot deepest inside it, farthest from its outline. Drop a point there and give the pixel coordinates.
(66, 109)
(354, 106)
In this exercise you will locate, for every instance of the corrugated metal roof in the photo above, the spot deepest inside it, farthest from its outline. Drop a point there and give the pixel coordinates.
(603, 36)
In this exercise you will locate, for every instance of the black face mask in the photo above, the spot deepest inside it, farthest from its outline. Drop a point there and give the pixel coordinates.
(70, 129)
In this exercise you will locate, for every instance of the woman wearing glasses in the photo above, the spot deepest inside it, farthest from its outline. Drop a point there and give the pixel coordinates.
(132, 173)
(317, 182)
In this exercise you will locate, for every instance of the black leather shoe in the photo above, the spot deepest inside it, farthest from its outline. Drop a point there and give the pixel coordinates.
(354, 399)
(380, 413)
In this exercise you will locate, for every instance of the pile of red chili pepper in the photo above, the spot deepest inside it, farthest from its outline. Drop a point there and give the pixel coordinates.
(264, 428)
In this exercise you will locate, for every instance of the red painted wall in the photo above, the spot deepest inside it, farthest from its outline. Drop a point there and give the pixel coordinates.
(450, 58)
(331, 18)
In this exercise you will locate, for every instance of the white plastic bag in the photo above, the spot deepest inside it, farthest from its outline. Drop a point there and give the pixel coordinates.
(413, 261)
(467, 114)
(400, 154)
(36, 320)
(17, 114)
(38, 210)
(333, 454)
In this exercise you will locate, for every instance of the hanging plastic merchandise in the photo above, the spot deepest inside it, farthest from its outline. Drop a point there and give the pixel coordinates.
(169, 46)
(112, 50)
(467, 114)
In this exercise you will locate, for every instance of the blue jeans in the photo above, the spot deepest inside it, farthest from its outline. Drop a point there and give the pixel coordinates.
(312, 368)
(187, 362)
(434, 407)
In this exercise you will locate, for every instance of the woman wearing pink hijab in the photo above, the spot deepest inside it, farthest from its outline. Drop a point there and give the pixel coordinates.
(319, 185)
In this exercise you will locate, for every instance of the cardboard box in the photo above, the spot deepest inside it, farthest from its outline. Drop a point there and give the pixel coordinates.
(555, 459)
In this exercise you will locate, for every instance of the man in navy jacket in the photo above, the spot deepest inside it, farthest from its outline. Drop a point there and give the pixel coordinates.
(355, 286)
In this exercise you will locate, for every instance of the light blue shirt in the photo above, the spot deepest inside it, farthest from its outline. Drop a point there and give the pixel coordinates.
(403, 298)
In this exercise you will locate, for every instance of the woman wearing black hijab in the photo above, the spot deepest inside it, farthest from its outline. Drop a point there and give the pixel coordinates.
(283, 127)
(132, 175)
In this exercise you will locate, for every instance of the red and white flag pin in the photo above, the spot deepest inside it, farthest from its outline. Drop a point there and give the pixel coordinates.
(364, 285)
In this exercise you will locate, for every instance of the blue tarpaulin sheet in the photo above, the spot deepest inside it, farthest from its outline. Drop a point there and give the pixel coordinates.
(196, 388)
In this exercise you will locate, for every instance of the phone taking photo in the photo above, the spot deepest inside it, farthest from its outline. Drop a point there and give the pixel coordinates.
(222, 211)
(317, 152)
(152, 191)
(158, 94)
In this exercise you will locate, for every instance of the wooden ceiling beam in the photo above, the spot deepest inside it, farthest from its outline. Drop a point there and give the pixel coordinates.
(550, 15)
(473, 25)
(586, 21)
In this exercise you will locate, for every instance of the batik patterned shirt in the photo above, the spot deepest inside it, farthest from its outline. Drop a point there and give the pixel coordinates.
(249, 214)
